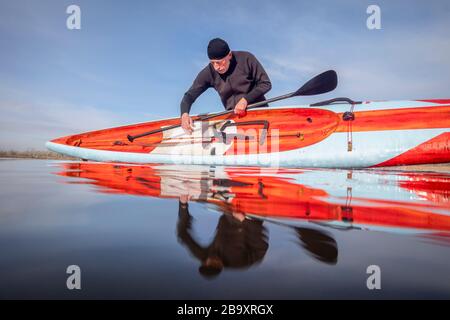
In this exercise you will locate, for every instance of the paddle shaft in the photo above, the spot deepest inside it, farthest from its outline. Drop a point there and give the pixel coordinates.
(251, 106)
(206, 117)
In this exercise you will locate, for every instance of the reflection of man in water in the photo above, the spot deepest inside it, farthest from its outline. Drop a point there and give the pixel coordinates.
(238, 243)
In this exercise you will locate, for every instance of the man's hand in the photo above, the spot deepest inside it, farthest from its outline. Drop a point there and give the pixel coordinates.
(184, 198)
(239, 216)
(186, 123)
(240, 108)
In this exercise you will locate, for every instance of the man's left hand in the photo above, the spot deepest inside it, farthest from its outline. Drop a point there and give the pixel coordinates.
(240, 108)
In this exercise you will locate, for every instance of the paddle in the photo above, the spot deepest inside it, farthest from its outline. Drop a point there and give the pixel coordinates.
(322, 83)
(317, 243)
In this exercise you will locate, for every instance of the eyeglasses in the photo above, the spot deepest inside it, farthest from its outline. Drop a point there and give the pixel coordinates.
(219, 63)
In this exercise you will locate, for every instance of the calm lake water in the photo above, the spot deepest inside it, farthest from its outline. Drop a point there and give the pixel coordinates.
(198, 232)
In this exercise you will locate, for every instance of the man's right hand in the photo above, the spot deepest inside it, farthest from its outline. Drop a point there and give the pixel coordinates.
(186, 123)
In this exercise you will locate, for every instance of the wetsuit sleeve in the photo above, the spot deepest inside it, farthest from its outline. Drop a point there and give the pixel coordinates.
(184, 233)
(256, 240)
(262, 81)
(202, 82)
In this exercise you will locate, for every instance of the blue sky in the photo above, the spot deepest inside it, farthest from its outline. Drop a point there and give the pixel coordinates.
(132, 61)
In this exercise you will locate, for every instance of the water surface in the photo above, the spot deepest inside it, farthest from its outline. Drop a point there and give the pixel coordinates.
(188, 232)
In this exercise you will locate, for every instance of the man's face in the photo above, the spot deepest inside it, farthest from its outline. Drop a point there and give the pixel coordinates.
(222, 65)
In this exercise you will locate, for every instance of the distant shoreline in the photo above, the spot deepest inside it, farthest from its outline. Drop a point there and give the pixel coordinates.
(33, 154)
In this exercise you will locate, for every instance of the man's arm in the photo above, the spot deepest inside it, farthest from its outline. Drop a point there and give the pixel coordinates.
(200, 84)
(262, 81)
(184, 228)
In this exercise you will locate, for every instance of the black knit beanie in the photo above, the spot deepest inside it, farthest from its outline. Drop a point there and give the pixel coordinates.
(217, 49)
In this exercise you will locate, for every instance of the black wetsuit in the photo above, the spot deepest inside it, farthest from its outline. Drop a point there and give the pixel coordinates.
(245, 78)
(238, 244)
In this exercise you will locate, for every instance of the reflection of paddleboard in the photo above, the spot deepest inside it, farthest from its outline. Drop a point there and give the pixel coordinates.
(278, 193)
(377, 134)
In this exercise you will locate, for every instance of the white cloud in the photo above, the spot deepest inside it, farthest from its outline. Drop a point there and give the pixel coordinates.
(394, 66)
(28, 125)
